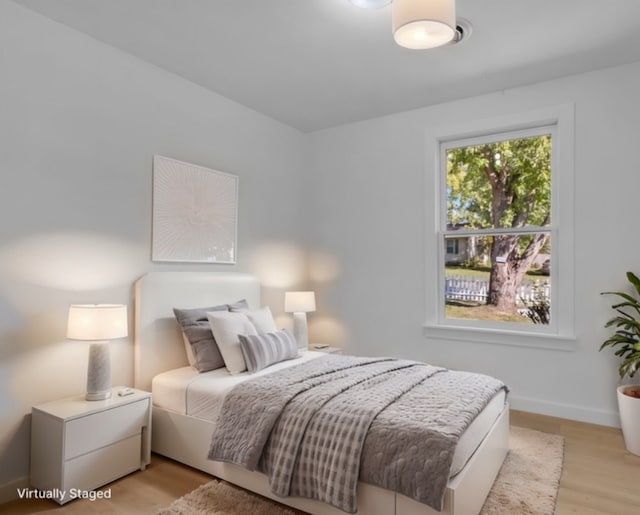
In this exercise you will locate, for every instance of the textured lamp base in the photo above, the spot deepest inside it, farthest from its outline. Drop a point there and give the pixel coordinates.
(300, 330)
(99, 372)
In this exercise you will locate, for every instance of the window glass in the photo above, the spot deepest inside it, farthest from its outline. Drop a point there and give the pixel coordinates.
(497, 229)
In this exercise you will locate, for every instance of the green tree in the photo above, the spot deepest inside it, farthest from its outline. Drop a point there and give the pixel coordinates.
(503, 185)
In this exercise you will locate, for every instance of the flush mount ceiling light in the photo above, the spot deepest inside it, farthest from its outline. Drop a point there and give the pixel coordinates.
(422, 24)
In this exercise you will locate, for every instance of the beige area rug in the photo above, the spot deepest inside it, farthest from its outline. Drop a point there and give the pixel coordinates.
(528, 480)
(526, 485)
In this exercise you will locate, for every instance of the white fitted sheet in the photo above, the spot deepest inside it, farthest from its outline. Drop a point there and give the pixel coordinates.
(188, 392)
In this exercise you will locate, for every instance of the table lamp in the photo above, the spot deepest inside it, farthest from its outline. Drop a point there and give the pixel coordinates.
(300, 303)
(98, 323)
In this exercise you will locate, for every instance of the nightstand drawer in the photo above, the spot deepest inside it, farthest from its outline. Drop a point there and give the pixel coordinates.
(100, 467)
(91, 432)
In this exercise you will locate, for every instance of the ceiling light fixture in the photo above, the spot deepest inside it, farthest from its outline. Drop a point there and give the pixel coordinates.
(420, 24)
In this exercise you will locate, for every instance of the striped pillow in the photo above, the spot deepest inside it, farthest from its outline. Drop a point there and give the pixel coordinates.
(263, 350)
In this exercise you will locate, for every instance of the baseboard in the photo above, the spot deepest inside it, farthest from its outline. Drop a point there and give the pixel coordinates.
(9, 491)
(591, 416)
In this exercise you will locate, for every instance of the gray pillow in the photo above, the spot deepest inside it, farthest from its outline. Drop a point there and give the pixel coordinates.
(263, 350)
(196, 328)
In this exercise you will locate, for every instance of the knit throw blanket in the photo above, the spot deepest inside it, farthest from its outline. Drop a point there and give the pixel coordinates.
(318, 427)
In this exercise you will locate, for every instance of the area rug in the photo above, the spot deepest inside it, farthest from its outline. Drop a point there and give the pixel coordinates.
(528, 480)
(526, 485)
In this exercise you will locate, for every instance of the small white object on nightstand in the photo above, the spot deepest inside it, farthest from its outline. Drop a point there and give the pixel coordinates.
(79, 445)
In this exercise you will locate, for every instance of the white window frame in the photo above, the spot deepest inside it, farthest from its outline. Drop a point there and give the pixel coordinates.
(560, 334)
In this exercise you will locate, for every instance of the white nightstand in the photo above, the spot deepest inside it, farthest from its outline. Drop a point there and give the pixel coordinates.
(79, 445)
(328, 349)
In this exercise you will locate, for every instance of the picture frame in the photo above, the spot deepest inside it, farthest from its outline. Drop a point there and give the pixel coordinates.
(195, 213)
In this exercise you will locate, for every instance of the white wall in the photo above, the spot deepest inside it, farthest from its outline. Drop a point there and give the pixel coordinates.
(80, 122)
(79, 125)
(371, 215)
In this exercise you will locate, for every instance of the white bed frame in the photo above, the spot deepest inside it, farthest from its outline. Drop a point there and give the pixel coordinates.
(159, 347)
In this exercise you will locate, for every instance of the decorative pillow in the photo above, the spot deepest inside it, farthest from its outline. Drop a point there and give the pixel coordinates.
(241, 304)
(226, 326)
(261, 318)
(187, 348)
(202, 353)
(263, 350)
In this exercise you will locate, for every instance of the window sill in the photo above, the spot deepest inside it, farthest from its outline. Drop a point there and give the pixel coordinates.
(546, 341)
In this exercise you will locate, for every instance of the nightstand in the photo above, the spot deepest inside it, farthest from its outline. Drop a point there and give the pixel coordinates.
(79, 445)
(328, 349)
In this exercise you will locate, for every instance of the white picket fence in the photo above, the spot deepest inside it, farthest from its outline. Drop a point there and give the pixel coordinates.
(477, 290)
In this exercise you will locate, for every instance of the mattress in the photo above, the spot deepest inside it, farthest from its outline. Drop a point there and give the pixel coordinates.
(201, 395)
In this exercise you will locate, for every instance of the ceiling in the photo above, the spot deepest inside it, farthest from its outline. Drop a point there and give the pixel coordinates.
(314, 64)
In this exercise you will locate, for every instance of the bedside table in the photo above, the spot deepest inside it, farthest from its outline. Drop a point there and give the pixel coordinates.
(79, 445)
(328, 349)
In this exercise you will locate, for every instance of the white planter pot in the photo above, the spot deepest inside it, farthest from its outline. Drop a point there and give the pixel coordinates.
(630, 418)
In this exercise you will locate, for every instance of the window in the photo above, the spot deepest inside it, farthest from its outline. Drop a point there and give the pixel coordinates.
(453, 247)
(501, 265)
(497, 191)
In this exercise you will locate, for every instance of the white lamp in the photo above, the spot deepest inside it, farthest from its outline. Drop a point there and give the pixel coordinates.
(98, 323)
(421, 24)
(300, 303)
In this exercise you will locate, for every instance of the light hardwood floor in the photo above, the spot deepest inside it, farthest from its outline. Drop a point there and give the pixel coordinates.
(599, 477)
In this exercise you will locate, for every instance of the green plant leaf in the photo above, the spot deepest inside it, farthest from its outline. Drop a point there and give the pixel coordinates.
(625, 342)
(633, 279)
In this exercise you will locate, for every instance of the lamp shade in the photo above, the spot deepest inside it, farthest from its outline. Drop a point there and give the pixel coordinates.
(421, 24)
(97, 321)
(299, 301)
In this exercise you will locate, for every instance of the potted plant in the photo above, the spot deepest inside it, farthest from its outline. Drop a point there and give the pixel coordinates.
(626, 342)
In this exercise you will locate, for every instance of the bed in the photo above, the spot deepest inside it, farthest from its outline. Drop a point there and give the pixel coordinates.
(183, 432)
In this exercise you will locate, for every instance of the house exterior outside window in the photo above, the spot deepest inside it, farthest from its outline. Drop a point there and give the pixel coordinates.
(453, 249)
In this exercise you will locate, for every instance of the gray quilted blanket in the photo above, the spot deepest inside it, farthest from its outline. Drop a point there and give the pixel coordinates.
(318, 427)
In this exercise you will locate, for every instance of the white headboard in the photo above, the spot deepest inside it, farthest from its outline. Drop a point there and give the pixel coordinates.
(158, 344)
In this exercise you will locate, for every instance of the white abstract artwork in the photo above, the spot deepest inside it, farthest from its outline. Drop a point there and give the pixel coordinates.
(195, 213)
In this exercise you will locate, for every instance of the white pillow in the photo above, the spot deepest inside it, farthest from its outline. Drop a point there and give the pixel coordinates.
(261, 318)
(226, 326)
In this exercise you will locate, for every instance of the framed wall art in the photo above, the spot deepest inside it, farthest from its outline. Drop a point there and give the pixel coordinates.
(195, 213)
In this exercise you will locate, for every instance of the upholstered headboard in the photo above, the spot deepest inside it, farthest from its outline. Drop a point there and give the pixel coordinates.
(158, 344)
